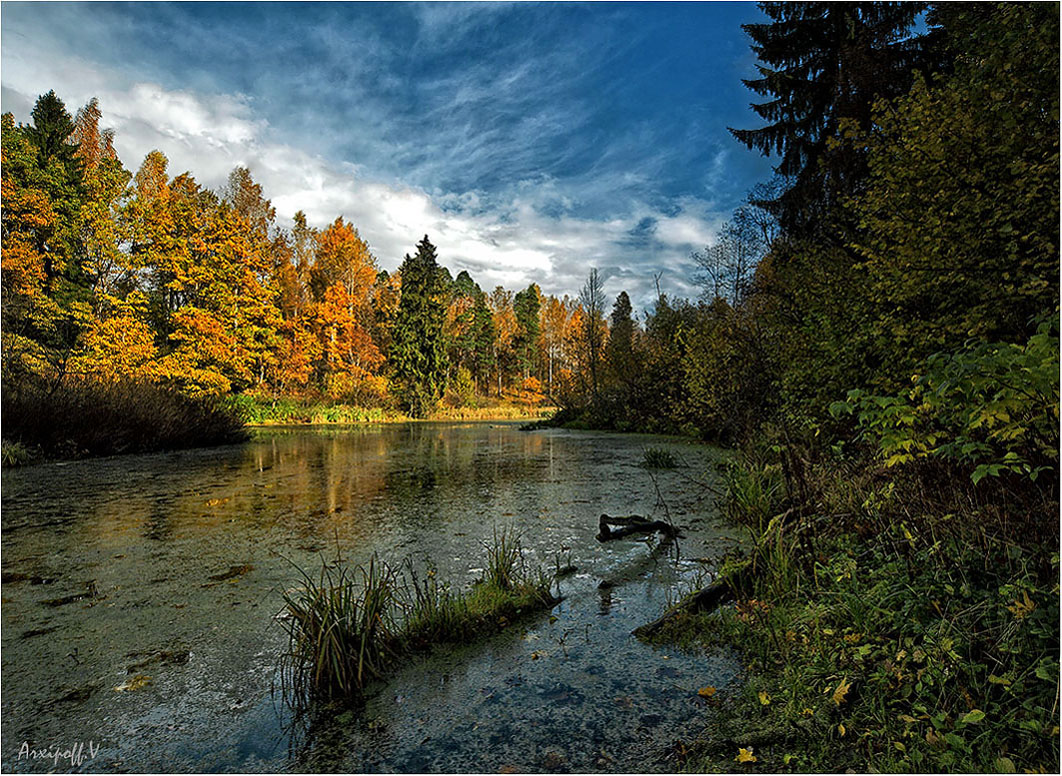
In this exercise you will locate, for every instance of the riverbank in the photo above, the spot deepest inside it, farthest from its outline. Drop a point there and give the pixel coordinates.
(886, 627)
(283, 411)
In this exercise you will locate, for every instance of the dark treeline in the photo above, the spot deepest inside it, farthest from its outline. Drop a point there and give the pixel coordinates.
(915, 211)
(879, 334)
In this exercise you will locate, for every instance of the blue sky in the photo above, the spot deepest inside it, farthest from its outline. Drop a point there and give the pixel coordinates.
(530, 141)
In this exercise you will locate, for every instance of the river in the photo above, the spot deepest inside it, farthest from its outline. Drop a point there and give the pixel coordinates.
(139, 597)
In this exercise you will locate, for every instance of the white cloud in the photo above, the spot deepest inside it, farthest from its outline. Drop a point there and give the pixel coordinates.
(526, 235)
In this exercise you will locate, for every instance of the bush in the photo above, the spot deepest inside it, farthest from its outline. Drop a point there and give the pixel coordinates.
(90, 417)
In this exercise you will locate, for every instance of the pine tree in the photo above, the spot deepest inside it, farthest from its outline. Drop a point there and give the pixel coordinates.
(418, 347)
(823, 63)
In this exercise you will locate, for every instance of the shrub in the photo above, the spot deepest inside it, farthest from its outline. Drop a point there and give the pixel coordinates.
(90, 417)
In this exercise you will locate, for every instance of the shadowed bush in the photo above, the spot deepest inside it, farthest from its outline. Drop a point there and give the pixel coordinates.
(89, 417)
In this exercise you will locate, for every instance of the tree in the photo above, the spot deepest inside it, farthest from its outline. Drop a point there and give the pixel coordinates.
(727, 266)
(821, 63)
(482, 333)
(620, 349)
(48, 301)
(418, 348)
(594, 331)
(504, 327)
(245, 197)
(526, 306)
(554, 321)
(973, 160)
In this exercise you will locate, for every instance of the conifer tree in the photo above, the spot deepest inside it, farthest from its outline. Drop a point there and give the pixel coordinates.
(526, 306)
(418, 347)
(821, 63)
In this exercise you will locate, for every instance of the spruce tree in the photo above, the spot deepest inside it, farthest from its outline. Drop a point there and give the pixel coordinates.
(822, 63)
(418, 347)
(526, 305)
(482, 340)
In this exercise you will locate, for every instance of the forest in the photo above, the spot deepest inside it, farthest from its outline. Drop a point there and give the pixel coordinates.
(877, 338)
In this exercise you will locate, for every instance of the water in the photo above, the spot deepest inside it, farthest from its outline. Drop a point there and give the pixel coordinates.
(171, 566)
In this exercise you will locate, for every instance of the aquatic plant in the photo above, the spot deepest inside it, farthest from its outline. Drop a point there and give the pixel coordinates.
(658, 458)
(348, 626)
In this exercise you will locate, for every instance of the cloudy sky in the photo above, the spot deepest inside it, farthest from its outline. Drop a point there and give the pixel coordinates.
(530, 142)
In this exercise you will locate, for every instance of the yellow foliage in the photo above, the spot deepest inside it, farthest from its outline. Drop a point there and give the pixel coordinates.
(745, 755)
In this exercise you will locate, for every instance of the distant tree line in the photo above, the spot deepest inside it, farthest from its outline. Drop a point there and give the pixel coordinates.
(115, 276)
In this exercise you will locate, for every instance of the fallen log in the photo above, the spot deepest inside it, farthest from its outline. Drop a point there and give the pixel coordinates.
(719, 592)
(632, 525)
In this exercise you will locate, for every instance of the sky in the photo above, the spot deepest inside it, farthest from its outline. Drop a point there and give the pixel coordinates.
(530, 142)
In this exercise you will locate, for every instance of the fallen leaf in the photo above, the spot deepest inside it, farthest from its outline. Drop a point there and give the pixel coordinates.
(537, 654)
(765, 699)
(841, 730)
(745, 755)
(134, 683)
(706, 692)
(841, 691)
(972, 717)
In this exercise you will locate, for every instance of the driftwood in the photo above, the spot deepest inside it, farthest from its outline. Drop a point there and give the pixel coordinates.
(632, 525)
(705, 599)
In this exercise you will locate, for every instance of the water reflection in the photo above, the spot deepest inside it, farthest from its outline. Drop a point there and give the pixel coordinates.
(150, 532)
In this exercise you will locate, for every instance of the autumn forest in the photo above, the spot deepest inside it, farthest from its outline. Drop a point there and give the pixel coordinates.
(873, 356)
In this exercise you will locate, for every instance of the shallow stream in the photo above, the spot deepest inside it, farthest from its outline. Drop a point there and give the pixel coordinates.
(139, 596)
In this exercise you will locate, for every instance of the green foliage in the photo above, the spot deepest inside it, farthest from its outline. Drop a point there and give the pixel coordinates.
(990, 408)
(463, 388)
(877, 640)
(418, 350)
(959, 222)
(526, 306)
(895, 655)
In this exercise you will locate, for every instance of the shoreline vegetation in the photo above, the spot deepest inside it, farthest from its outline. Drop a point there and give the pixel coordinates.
(92, 418)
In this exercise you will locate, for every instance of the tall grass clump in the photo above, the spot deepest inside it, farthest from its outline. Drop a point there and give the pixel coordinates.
(658, 458)
(349, 627)
(92, 417)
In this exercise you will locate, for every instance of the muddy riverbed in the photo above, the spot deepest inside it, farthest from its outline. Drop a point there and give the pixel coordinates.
(139, 596)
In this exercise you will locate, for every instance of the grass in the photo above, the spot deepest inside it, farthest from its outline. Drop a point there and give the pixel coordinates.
(658, 458)
(87, 417)
(904, 635)
(349, 627)
(266, 411)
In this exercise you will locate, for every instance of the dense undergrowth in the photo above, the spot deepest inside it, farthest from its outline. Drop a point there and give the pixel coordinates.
(349, 627)
(898, 608)
(86, 417)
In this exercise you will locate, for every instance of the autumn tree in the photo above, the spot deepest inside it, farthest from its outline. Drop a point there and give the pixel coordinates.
(505, 328)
